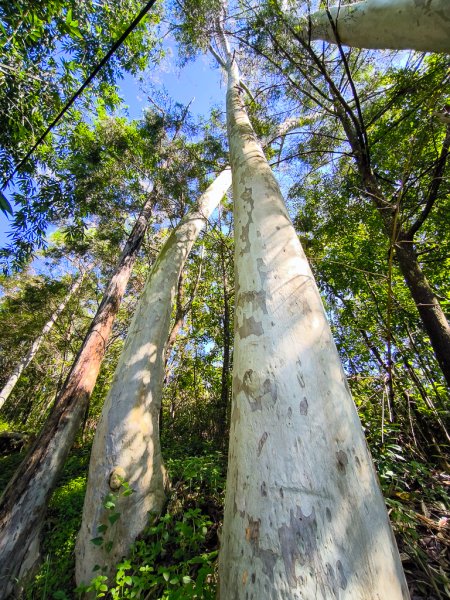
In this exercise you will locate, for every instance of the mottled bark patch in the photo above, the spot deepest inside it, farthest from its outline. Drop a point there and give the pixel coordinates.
(257, 300)
(342, 580)
(298, 542)
(256, 390)
(267, 557)
(252, 531)
(301, 380)
(304, 406)
(245, 233)
(335, 578)
(261, 442)
(250, 326)
(262, 271)
(342, 461)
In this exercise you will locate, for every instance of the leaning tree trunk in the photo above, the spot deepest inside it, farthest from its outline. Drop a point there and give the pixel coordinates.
(126, 446)
(304, 515)
(433, 317)
(395, 24)
(24, 502)
(23, 364)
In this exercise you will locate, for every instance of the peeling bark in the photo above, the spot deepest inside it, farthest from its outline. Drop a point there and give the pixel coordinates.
(127, 436)
(304, 515)
(391, 24)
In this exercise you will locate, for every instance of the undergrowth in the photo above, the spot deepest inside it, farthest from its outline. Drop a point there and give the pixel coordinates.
(176, 557)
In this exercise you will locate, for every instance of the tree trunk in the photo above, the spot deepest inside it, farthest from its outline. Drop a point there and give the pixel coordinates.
(395, 24)
(304, 515)
(222, 425)
(24, 502)
(23, 364)
(431, 313)
(126, 445)
(433, 317)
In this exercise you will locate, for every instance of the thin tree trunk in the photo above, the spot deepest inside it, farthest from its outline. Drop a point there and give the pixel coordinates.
(127, 445)
(396, 24)
(304, 515)
(23, 364)
(24, 502)
(431, 313)
(433, 317)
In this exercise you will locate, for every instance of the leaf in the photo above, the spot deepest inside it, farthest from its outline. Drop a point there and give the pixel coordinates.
(97, 541)
(5, 206)
(102, 528)
(166, 575)
(114, 517)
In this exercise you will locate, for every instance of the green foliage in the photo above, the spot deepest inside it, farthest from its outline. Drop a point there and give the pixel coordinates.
(196, 25)
(177, 554)
(54, 578)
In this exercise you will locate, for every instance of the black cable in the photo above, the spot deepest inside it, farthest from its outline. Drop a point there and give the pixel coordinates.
(81, 89)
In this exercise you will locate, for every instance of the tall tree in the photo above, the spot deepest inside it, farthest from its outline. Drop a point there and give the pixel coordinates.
(127, 445)
(25, 361)
(23, 503)
(299, 471)
(336, 93)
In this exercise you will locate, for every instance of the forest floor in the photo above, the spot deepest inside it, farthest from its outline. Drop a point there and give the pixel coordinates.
(176, 558)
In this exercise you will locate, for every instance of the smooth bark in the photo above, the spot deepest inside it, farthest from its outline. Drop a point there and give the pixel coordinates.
(304, 515)
(24, 501)
(390, 24)
(23, 364)
(126, 445)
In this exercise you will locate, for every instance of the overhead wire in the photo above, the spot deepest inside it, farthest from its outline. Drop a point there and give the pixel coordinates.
(83, 86)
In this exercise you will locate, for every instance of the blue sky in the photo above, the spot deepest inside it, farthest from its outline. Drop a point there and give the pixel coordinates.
(199, 81)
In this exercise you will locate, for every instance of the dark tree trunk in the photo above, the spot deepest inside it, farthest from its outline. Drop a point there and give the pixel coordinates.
(24, 501)
(431, 313)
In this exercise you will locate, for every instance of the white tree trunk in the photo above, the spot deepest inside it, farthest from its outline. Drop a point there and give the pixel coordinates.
(396, 24)
(126, 444)
(304, 515)
(23, 364)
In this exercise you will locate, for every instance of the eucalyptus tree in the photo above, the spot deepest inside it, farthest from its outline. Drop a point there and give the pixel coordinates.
(127, 446)
(27, 303)
(23, 503)
(302, 503)
(396, 24)
(312, 77)
(7, 389)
